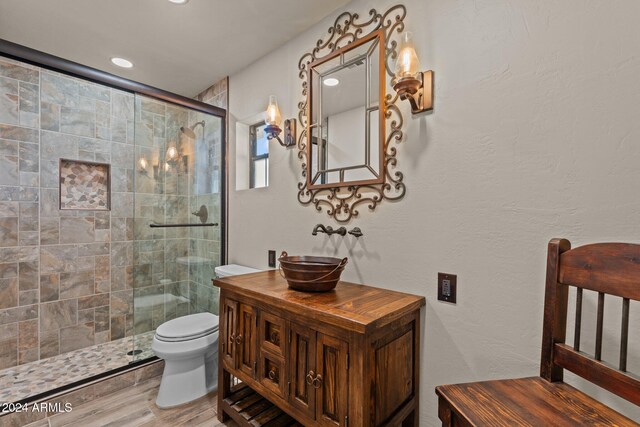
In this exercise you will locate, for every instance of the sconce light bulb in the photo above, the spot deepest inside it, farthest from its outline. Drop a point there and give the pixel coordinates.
(172, 152)
(143, 163)
(272, 116)
(407, 64)
(166, 167)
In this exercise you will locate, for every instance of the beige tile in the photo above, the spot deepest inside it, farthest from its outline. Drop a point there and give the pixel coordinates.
(77, 230)
(18, 314)
(28, 334)
(49, 287)
(8, 331)
(49, 231)
(8, 293)
(103, 337)
(8, 231)
(28, 274)
(103, 268)
(8, 269)
(102, 319)
(150, 371)
(59, 314)
(29, 297)
(118, 327)
(85, 316)
(27, 356)
(76, 337)
(77, 284)
(93, 301)
(75, 398)
(121, 303)
(49, 343)
(8, 353)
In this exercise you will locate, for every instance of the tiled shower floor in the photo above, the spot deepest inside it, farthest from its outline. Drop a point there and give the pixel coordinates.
(45, 375)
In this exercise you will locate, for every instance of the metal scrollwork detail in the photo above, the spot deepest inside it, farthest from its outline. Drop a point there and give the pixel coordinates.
(344, 203)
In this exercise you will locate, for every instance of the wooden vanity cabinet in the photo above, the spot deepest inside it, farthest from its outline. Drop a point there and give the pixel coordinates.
(344, 358)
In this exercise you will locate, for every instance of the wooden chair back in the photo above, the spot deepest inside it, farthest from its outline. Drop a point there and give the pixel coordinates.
(610, 269)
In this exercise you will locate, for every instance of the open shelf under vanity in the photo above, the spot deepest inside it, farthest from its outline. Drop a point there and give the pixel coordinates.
(248, 408)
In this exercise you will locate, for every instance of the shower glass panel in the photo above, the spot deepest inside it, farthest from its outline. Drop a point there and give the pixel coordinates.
(177, 215)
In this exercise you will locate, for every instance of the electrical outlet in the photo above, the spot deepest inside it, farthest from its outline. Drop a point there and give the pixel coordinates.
(272, 259)
(447, 287)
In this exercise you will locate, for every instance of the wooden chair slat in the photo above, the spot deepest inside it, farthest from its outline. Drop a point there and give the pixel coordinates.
(599, 326)
(578, 322)
(624, 334)
(612, 268)
(623, 384)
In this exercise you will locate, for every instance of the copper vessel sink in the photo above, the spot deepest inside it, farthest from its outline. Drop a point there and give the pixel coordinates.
(311, 273)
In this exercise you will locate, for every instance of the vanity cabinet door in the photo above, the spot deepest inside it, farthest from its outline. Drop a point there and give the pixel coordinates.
(229, 327)
(331, 381)
(246, 339)
(271, 333)
(302, 356)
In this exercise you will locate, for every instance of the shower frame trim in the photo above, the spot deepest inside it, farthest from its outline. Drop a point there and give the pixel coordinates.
(55, 63)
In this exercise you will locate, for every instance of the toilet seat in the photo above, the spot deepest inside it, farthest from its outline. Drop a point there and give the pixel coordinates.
(187, 328)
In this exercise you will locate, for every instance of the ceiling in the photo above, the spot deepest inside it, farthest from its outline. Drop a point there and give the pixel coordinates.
(180, 48)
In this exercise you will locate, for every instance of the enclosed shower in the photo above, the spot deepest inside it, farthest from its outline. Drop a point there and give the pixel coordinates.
(111, 222)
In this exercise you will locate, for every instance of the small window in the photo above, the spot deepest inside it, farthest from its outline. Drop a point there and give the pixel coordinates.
(258, 156)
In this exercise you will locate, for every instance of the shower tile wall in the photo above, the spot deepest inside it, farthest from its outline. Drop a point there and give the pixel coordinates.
(206, 242)
(173, 268)
(161, 283)
(66, 277)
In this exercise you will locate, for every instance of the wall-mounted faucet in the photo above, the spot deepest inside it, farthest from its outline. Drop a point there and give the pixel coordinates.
(328, 230)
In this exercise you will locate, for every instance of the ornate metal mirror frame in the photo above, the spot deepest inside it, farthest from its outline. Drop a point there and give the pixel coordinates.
(343, 200)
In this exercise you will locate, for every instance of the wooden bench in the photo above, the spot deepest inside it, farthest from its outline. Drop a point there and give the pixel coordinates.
(606, 268)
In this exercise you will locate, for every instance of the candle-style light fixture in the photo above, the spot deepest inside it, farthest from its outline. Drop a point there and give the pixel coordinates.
(410, 83)
(272, 118)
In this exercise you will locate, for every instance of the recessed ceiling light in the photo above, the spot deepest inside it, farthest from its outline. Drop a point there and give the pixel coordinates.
(331, 82)
(179, 1)
(121, 62)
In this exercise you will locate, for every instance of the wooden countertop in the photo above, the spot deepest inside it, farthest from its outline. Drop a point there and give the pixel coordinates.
(350, 305)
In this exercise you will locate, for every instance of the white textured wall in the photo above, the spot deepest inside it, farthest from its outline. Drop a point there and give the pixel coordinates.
(535, 135)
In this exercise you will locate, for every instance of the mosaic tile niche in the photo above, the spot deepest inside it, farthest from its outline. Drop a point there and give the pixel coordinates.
(84, 185)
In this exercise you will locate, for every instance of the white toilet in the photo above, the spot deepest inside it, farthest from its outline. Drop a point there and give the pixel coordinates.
(189, 347)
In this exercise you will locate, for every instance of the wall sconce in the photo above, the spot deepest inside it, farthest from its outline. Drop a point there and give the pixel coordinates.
(272, 118)
(412, 84)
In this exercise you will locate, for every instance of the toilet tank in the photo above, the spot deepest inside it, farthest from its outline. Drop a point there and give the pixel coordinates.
(233, 270)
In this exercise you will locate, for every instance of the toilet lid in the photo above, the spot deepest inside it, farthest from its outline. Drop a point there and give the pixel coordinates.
(188, 327)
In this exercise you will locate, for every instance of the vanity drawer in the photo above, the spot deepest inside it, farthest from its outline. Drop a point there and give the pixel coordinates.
(271, 334)
(271, 373)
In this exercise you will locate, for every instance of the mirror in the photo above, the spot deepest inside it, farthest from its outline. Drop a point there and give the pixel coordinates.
(346, 126)
(350, 124)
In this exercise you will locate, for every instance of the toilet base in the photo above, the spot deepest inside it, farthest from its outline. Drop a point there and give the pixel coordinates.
(186, 380)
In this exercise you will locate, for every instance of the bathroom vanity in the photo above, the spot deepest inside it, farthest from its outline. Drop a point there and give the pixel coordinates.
(348, 357)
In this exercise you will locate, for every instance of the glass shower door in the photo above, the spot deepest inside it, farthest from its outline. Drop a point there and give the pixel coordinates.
(177, 217)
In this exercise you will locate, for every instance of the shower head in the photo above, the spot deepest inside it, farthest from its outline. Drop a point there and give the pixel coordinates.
(190, 131)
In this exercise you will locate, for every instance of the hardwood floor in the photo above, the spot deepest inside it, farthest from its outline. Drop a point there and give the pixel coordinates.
(135, 407)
